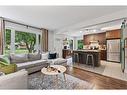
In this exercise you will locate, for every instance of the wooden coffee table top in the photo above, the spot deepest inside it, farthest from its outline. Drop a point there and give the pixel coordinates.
(61, 68)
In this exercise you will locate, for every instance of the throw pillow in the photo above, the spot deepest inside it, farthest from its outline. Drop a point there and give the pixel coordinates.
(3, 64)
(44, 56)
(18, 58)
(5, 59)
(34, 56)
(52, 56)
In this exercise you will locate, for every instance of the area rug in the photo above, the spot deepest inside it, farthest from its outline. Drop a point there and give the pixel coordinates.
(36, 81)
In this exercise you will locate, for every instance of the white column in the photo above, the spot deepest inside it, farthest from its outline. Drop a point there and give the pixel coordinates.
(12, 46)
(75, 43)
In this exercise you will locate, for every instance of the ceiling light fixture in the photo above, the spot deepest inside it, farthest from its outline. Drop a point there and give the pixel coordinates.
(81, 31)
(94, 30)
(111, 27)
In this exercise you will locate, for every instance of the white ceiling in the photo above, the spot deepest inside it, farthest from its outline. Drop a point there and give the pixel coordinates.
(55, 17)
(99, 28)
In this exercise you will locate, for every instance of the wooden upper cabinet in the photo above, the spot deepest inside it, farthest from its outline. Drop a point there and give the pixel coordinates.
(101, 37)
(113, 34)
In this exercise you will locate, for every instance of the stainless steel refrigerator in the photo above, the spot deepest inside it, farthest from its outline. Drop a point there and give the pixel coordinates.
(113, 50)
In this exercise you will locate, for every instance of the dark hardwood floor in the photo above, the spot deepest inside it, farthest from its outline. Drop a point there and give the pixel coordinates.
(100, 81)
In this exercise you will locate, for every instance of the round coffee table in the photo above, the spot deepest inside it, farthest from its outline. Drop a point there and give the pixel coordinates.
(60, 70)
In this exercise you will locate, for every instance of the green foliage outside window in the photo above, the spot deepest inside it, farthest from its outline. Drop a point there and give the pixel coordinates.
(28, 40)
(80, 44)
(24, 42)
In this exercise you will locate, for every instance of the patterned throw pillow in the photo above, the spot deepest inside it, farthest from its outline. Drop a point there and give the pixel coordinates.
(3, 64)
(5, 60)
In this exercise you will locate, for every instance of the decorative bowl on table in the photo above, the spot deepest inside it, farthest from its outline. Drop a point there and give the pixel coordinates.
(50, 69)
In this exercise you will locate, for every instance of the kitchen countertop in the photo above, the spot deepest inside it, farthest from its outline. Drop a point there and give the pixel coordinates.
(87, 50)
(82, 56)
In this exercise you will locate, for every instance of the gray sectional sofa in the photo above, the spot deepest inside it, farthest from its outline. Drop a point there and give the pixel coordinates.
(26, 64)
(16, 80)
(34, 61)
(30, 62)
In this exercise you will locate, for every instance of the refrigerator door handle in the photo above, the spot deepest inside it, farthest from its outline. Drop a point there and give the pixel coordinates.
(107, 47)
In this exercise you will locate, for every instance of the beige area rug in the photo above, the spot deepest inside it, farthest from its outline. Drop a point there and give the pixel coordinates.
(109, 69)
(36, 81)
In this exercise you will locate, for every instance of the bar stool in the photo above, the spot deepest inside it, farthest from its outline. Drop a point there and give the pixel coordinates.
(76, 57)
(87, 59)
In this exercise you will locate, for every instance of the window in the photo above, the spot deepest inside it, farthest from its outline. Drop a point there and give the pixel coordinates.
(19, 42)
(24, 42)
(80, 44)
(21, 39)
(71, 44)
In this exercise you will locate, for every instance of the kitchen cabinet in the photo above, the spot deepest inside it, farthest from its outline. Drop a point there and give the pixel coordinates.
(66, 53)
(103, 55)
(101, 37)
(113, 34)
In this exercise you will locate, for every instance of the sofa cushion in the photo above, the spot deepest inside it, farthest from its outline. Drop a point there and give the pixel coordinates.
(57, 61)
(31, 64)
(8, 69)
(18, 58)
(5, 59)
(17, 80)
(34, 56)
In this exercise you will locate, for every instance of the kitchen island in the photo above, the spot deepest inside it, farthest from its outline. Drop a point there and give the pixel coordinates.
(82, 56)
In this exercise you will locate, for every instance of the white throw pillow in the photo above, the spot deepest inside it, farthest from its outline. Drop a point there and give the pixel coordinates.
(1, 73)
(44, 56)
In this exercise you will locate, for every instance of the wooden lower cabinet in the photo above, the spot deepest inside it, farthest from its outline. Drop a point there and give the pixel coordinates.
(103, 55)
(66, 53)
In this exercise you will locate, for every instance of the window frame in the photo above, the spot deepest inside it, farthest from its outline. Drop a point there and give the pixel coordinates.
(13, 32)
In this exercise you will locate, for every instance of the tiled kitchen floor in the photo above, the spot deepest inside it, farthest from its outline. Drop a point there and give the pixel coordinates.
(110, 69)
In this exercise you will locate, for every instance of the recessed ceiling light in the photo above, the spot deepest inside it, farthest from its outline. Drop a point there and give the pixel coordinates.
(80, 31)
(94, 30)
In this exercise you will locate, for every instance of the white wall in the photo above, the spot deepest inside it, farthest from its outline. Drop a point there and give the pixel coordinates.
(58, 42)
(51, 41)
